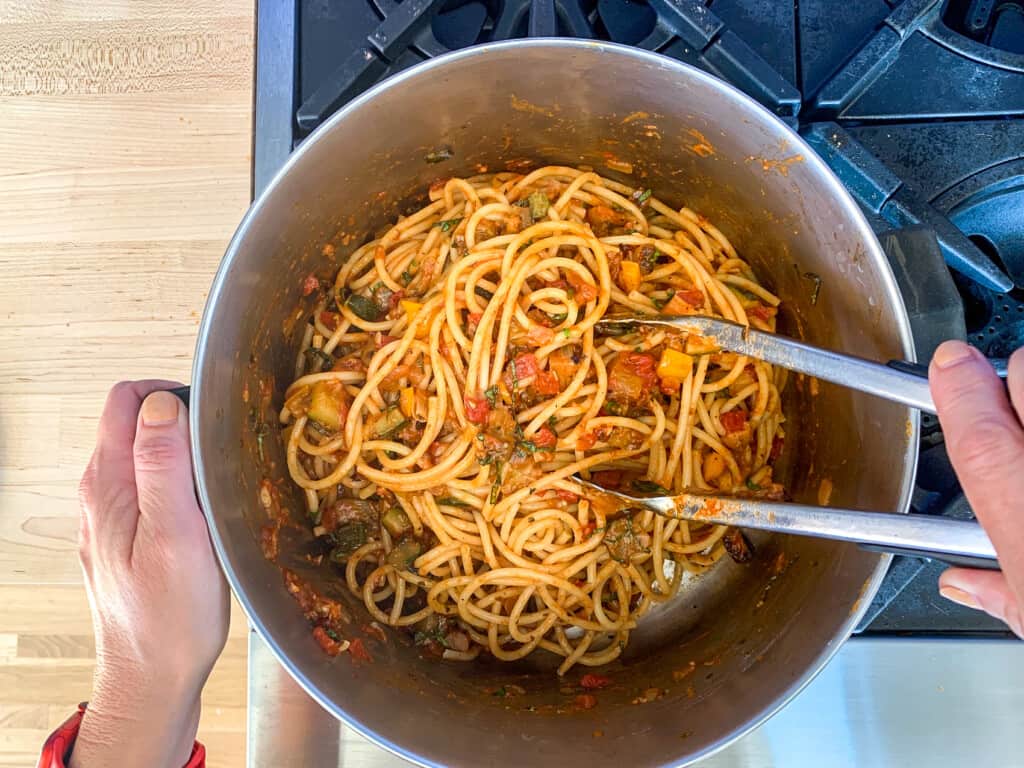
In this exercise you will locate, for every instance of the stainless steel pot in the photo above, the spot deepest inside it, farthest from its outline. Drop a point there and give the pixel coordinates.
(755, 633)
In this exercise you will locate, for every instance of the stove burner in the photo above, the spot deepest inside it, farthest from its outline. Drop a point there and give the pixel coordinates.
(996, 23)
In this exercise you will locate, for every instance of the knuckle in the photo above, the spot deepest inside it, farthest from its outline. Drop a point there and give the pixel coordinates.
(982, 452)
(158, 452)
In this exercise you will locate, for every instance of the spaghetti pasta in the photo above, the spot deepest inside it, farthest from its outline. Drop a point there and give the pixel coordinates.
(452, 382)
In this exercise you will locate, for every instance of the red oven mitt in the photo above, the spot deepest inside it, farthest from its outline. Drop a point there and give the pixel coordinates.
(58, 747)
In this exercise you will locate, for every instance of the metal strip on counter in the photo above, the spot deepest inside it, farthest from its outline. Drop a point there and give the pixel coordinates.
(881, 702)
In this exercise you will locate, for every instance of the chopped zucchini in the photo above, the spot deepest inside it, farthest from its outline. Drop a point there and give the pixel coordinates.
(396, 522)
(539, 205)
(389, 422)
(347, 540)
(364, 308)
(327, 406)
(404, 553)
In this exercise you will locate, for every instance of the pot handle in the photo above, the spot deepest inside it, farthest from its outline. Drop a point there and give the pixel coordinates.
(961, 561)
(182, 393)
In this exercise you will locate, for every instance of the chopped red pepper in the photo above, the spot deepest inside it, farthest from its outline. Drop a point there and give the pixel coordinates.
(545, 437)
(526, 366)
(586, 531)
(477, 409)
(567, 496)
(330, 319)
(592, 682)
(358, 651)
(585, 701)
(762, 312)
(734, 420)
(546, 383)
(540, 335)
(310, 284)
(586, 441)
(582, 290)
(608, 478)
(684, 302)
(331, 646)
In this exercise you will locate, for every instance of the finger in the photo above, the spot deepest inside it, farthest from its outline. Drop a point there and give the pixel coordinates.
(107, 496)
(988, 591)
(163, 469)
(985, 443)
(1015, 382)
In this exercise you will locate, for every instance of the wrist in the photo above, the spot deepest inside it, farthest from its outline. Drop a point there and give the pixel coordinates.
(133, 721)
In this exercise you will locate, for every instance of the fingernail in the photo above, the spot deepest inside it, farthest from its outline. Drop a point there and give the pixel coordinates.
(160, 409)
(950, 353)
(961, 597)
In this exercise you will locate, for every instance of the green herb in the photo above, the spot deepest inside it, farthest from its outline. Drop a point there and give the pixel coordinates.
(405, 278)
(491, 393)
(496, 487)
(332, 634)
(641, 197)
(817, 286)
(261, 433)
(364, 308)
(318, 355)
(439, 155)
(559, 318)
(450, 501)
(501, 692)
(448, 224)
(529, 445)
(753, 486)
(314, 516)
(552, 420)
(539, 205)
(660, 303)
(566, 333)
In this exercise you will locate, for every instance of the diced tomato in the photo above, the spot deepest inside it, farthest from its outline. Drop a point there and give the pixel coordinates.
(762, 312)
(330, 319)
(384, 340)
(331, 646)
(396, 297)
(582, 290)
(358, 651)
(310, 284)
(593, 682)
(477, 409)
(632, 377)
(586, 531)
(608, 478)
(684, 302)
(545, 437)
(539, 335)
(474, 319)
(546, 383)
(586, 441)
(669, 386)
(526, 366)
(734, 420)
(585, 701)
(776, 451)
(567, 496)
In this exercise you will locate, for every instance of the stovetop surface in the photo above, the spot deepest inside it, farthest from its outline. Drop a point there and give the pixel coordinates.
(917, 105)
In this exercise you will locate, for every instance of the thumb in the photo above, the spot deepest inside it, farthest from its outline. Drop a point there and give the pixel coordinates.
(986, 591)
(163, 466)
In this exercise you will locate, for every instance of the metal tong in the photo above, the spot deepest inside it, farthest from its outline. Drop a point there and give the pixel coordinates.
(957, 542)
(899, 380)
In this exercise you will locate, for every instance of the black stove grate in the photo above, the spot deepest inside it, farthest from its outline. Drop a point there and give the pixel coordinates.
(917, 105)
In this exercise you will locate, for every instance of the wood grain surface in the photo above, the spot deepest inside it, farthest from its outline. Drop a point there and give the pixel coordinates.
(125, 151)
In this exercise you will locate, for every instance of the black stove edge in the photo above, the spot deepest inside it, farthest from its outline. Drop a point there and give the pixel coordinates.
(274, 95)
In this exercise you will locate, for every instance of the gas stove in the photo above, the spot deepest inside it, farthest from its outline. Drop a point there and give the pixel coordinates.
(917, 105)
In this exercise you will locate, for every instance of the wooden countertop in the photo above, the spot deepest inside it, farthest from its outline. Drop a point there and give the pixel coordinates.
(125, 151)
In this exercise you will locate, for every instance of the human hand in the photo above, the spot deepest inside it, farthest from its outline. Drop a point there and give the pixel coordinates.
(159, 601)
(985, 442)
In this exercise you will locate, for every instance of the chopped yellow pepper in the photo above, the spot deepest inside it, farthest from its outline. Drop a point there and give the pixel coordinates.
(407, 402)
(674, 365)
(412, 308)
(629, 276)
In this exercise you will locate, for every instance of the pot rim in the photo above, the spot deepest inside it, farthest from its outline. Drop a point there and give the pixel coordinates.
(856, 218)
